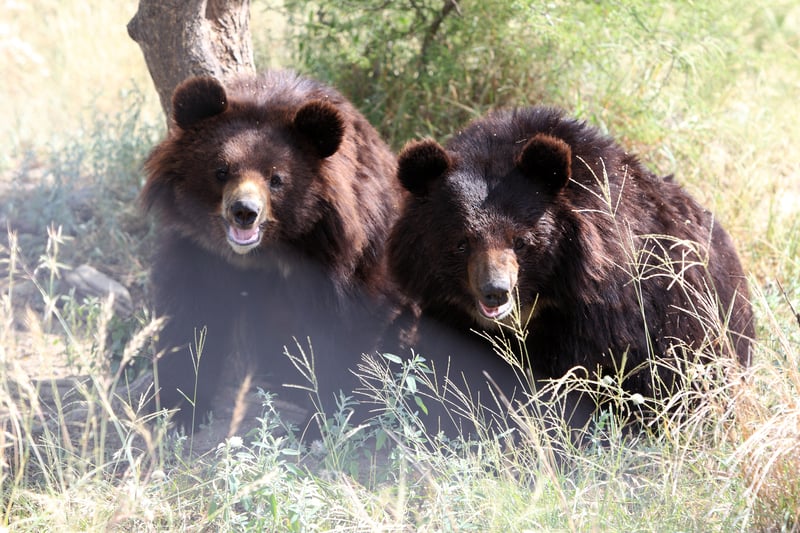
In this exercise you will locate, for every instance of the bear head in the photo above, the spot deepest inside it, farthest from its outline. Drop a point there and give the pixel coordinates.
(238, 174)
(488, 233)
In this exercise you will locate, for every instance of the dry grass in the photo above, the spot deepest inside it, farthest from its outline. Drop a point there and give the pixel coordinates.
(63, 64)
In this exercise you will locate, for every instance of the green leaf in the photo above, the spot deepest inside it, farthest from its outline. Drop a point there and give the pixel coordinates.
(380, 439)
(420, 404)
(393, 358)
(273, 505)
(411, 384)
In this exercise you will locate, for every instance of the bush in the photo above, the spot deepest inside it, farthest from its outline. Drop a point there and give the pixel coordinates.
(419, 68)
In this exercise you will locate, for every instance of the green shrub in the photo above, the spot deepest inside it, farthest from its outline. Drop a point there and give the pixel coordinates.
(425, 67)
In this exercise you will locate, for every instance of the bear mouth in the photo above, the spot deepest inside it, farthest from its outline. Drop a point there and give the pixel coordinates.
(242, 240)
(496, 313)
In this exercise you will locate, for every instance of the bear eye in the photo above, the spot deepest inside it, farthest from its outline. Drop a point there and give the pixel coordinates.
(222, 172)
(519, 244)
(462, 247)
(275, 181)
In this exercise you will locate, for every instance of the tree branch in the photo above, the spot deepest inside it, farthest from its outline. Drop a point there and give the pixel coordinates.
(433, 29)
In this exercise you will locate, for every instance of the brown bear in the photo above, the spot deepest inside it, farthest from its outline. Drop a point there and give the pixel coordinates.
(529, 216)
(275, 198)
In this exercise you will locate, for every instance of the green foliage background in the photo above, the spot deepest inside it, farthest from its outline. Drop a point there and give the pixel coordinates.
(418, 68)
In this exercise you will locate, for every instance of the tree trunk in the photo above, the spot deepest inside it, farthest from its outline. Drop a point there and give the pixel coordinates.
(183, 38)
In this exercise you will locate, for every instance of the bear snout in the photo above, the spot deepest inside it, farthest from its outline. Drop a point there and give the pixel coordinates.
(492, 278)
(244, 217)
(245, 212)
(495, 292)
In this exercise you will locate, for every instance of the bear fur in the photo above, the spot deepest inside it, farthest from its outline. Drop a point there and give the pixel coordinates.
(274, 198)
(529, 216)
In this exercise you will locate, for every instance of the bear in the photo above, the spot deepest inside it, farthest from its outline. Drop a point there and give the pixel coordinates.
(529, 219)
(274, 198)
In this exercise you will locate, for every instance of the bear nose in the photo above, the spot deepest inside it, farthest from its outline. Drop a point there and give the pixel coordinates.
(245, 212)
(495, 293)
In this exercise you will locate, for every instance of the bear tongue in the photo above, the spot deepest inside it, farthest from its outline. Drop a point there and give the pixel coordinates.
(243, 236)
(491, 312)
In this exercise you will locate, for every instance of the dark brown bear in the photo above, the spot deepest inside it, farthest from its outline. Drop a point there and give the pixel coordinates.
(275, 197)
(530, 214)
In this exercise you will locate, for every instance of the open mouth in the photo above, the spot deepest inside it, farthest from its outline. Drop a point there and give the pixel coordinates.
(496, 313)
(242, 240)
(242, 236)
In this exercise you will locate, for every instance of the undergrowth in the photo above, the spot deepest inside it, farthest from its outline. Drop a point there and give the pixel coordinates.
(730, 464)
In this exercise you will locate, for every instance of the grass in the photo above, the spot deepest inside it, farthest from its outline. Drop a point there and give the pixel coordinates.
(706, 92)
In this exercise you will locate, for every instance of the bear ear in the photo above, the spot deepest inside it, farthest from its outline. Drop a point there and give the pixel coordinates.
(197, 99)
(322, 124)
(421, 162)
(548, 160)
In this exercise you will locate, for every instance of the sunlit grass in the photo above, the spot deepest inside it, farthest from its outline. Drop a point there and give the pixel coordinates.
(64, 64)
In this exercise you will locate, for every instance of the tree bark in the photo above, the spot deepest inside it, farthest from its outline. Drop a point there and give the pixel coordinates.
(183, 38)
